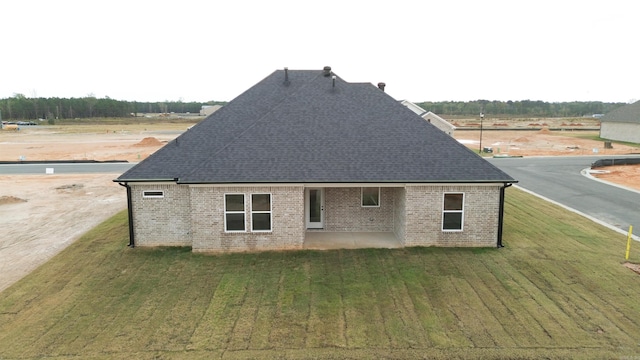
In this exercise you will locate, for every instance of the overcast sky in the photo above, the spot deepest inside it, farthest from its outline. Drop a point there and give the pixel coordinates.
(554, 51)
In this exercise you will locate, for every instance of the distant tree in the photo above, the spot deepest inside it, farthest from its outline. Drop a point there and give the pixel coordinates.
(91, 102)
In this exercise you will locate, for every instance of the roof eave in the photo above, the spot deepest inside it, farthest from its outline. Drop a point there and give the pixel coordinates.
(493, 181)
(119, 180)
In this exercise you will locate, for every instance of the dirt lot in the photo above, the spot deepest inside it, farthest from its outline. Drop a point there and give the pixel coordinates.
(42, 214)
(540, 143)
(555, 143)
(83, 143)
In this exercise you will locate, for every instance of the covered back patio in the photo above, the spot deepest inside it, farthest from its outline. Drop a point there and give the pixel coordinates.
(332, 240)
(352, 216)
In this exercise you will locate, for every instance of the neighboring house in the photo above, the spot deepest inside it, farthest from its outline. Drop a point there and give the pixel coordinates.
(436, 120)
(305, 151)
(207, 110)
(622, 124)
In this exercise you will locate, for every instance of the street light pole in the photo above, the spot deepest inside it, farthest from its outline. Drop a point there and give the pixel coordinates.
(481, 120)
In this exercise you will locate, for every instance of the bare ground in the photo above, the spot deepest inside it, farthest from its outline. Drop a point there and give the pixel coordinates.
(42, 214)
(556, 143)
(540, 143)
(626, 175)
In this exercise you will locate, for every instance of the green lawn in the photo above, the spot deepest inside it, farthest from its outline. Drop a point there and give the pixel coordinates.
(557, 290)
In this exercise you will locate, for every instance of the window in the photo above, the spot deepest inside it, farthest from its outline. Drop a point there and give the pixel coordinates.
(260, 212)
(370, 196)
(234, 212)
(153, 194)
(452, 214)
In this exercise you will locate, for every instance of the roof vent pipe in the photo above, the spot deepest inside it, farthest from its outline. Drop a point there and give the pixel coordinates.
(286, 75)
(381, 86)
(327, 71)
(333, 79)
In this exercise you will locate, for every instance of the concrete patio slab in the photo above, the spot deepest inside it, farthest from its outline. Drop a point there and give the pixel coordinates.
(324, 240)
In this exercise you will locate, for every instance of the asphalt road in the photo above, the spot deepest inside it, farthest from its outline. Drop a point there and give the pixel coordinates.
(60, 168)
(560, 179)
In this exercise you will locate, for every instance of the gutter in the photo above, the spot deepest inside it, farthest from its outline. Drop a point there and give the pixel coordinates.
(392, 182)
(501, 214)
(144, 180)
(132, 242)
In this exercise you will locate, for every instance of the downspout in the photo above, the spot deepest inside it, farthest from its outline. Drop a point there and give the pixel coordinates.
(132, 242)
(501, 214)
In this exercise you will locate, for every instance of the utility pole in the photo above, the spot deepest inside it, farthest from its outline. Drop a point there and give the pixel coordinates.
(481, 120)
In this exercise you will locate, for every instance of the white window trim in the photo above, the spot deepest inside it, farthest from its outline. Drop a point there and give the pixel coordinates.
(244, 212)
(453, 211)
(270, 212)
(153, 194)
(362, 197)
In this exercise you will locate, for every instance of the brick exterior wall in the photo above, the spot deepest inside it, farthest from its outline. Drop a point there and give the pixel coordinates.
(161, 221)
(424, 216)
(620, 131)
(207, 220)
(344, 211)
(194, 216)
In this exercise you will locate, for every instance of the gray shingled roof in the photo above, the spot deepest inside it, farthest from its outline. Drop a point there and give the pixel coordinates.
(306, 130)
(628, 113)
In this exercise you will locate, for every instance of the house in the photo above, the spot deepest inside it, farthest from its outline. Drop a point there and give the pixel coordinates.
(207, 110)
(622, 124)
(303, 153)
(436, 120)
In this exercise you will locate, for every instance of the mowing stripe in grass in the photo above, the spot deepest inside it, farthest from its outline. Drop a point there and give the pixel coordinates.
(495, 284)
(218, 321)
(326, 320)
(445, 298)
(467, 310)
(413, 334)
(579, 303)
(240, 335)
(519, 300)
(289, 323)
(175, 319)
(365, 323)
(123, 276)
(386, 307)
(421, 299)
(267, 276)
(487, 305)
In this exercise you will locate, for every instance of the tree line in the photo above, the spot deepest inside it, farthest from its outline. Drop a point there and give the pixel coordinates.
(524, 108)
(20, 107)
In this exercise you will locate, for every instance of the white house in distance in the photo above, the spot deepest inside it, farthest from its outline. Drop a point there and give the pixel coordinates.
(622, 124)
(436, 120)
(207, 110)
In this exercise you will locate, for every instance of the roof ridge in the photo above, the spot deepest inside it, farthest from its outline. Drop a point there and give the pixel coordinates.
(259, 119)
